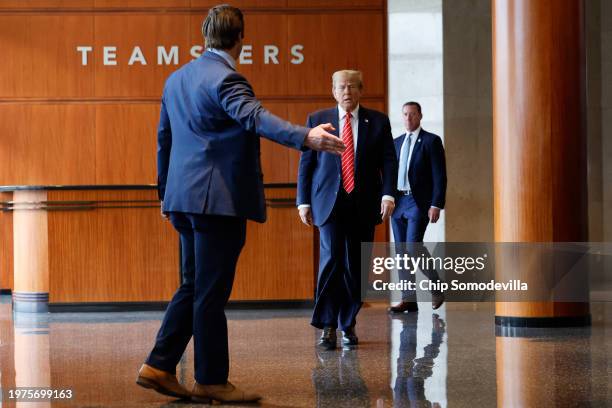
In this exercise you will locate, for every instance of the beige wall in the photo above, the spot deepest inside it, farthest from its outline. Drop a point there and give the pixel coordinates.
(468, 120)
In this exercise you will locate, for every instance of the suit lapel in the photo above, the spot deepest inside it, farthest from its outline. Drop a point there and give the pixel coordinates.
(416, 150)
(362, 133)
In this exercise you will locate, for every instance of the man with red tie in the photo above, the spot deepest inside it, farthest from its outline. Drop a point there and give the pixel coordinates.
(346, 197)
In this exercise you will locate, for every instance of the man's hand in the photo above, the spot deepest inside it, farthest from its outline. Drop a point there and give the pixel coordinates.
(161, 210)
(320, 139)
(306, 216)
(386, 209)
(434, 214)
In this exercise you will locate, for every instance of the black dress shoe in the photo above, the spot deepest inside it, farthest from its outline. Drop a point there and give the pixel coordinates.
(328, 339)
(404, 307)
(349, 338)
(436, 300)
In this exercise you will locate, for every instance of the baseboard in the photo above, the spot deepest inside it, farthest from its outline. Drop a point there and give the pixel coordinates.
(95, 307)
(543, 322)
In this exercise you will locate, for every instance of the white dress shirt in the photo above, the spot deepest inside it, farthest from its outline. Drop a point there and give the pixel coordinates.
(415, 137)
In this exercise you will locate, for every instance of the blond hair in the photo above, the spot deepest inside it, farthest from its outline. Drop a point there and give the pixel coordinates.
(349, 73)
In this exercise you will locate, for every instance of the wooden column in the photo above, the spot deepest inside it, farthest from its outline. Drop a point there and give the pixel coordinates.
(540, 179)
(31, 252)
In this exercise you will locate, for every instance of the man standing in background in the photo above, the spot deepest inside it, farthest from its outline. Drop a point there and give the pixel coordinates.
(346, 197)
(210, 182)
(421, 185)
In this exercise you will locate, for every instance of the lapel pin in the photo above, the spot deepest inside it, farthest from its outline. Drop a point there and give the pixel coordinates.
(418, 140)
(365, 120)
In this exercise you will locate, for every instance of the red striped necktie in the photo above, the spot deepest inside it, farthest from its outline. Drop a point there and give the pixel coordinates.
(348, 155)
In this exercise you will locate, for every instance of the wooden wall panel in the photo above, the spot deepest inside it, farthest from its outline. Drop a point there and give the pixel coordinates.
(374, 4)
(275, 158)
(90, 252)
(125, 31)
(242, 4)
(276, 262)
(140, 4)
(126, 143)
(328, 46)
(46, 144)
(44, 4)
(40, 58)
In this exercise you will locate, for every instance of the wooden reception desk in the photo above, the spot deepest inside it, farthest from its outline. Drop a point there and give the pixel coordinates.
(101, 247)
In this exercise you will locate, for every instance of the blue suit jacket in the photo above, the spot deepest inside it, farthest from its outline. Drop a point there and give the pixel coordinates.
(426, 170)
(319, 174)
(208, 157)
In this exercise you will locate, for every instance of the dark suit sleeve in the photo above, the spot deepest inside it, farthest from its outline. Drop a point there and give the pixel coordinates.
(239, 102)
(438, 173)
(389, 162)
(308, 162)
(164, 144)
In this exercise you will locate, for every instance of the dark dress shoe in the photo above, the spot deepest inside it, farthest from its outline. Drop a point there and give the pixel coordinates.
(349, 338)
(328, 339)
(436, 300)
(404, 307)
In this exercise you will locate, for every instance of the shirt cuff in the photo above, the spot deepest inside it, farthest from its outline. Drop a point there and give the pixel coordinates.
(433, 206)
(303, 206)
(388, 197)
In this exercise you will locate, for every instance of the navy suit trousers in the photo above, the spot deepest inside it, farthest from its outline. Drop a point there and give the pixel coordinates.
(210, 246)
(409, 225)
(338, 297)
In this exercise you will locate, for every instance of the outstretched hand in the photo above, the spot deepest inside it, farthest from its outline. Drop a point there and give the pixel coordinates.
(320, 139)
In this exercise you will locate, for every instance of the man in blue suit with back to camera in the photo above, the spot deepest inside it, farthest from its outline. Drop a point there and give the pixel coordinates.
(421, 185)
(210, 183)
(346, 197)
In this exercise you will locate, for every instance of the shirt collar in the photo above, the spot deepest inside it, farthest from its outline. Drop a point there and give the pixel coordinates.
(415, 133)
(223, 54)
(355, 112)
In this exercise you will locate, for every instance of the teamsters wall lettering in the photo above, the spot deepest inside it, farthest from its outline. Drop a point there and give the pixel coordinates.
(270, 54)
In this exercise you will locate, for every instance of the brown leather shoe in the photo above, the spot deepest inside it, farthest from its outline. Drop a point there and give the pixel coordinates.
(227, 392)
(161, 381)
(436, 300)
(404, 307)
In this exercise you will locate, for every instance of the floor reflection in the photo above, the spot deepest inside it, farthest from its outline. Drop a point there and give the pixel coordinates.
(337, 379)
(412, 371)
(449, 359)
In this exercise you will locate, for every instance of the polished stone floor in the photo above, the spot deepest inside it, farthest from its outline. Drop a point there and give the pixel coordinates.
(452, 358)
